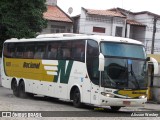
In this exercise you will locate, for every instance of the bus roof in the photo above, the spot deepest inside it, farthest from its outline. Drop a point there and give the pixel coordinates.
(72, 36)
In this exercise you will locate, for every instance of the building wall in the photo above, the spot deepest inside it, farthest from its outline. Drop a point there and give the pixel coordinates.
(118, 22)
(137, 33)
(87, 22)
(148, 21)
(51, 2)
(143, 34)
(62, 26)
(76, 24)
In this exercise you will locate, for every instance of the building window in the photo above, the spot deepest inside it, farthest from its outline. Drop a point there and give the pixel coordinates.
(118, 31)
(57, 29)
(68, 30)
(99, 29)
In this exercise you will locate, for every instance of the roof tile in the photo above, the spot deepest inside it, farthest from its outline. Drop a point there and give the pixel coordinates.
(54, 13)
(105, 13)
(133, 22)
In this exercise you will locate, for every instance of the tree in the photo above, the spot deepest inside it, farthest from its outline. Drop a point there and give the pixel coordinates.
(21, 18)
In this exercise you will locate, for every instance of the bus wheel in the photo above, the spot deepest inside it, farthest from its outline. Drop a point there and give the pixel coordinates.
(15, 88)
(77, 98)
(22, 92)
(115, 108)
(30, 95)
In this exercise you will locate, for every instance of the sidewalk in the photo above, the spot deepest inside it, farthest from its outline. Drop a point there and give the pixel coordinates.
(151, 105)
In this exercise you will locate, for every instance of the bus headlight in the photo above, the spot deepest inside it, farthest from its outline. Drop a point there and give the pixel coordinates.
(107, 94)
(142, 96)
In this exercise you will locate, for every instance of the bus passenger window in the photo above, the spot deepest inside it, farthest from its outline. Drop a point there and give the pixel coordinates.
(29, 50)
(11, 48)
(66, 54)
(79, 50)
(65, 50)
(52, 54)
(40, 50)
(6, 51)
(53, 50)
(19, 50)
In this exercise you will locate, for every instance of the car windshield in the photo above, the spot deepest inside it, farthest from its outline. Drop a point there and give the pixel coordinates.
(125, 66)
(124, 74)
(123, 50)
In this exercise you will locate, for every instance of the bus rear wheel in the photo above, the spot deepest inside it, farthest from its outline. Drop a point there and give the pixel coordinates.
(77, 98)
(22, 92)
(115, 108)
(15, 88)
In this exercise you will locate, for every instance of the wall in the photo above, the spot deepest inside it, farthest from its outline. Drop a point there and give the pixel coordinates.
(51, 2)
(87, 22)
(137, 33)
(66, 25)
(148, 21)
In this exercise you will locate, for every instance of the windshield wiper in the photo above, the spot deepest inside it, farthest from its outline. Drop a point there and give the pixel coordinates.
(112, 81)
(133, 74)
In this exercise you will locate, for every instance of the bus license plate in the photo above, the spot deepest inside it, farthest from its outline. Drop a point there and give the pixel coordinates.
(126, 102)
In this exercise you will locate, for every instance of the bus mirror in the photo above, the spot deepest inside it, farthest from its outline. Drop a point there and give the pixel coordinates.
(155, 64)
(148, 59)
(101, 62)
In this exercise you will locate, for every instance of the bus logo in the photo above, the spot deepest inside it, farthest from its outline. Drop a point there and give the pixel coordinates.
(60, 69)
(31, 65)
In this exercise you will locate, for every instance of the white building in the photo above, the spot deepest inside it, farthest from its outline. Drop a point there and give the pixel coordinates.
(119, 22)
(58, 20)
(146, 18)
(101, 22)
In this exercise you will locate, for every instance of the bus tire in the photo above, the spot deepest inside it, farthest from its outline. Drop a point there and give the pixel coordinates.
(22, 92)
(30, 95)
(77, 98)
(15, 88)
(115, 108)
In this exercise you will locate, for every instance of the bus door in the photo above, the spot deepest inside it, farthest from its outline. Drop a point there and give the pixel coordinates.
(95, 88)
(95, 91)
(92, 60)
(86, 90)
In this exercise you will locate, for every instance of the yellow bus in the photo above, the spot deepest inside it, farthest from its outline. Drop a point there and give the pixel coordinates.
(92, 69)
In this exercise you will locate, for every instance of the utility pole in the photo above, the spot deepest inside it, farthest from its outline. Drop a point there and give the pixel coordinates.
(153, 36)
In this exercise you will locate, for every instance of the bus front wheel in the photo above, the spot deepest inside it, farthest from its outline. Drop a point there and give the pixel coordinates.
(115, 108)
(77, 98)
(15, 88)
(22, 92)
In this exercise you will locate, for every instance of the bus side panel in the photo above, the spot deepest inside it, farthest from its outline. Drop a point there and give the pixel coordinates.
(6, 81)
(79, 77)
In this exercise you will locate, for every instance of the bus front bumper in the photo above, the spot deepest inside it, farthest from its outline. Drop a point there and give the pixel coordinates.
(108, 101)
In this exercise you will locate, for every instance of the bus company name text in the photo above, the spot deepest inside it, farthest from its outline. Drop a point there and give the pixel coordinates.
(31, 65)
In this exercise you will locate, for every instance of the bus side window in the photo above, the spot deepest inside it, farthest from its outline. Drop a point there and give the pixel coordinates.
(19, 50)
(92, 61)
(65, 50)
(66, 53)
(53, 50)
(78, 50)
(6, 51)
(11, 50)
(29, 50)
(40, 51)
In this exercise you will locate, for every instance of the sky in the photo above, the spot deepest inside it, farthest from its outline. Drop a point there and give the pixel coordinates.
(132, 5)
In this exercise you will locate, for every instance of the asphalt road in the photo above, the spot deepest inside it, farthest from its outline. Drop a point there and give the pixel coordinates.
(50, 108)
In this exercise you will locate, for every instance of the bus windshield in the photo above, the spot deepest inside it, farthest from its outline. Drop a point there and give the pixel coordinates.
(123, 50)
(125, 66)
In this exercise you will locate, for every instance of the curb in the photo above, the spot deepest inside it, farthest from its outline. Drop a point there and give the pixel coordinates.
(152, 102)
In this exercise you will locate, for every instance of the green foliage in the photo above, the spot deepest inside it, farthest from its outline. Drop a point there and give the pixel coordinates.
(21, 18)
